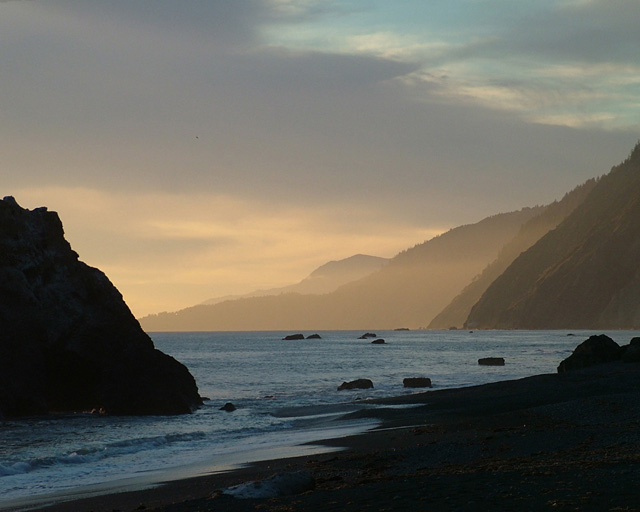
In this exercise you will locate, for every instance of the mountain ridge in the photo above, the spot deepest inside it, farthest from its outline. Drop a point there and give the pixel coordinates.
(324, 279)
(407, 292)
(584, 273)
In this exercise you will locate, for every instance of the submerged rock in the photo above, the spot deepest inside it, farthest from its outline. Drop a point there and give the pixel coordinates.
(68, 342)
(356, 384)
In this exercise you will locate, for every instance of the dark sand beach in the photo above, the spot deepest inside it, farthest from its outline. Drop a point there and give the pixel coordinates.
(558, 442)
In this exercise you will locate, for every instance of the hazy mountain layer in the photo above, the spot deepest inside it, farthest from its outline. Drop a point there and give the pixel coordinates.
(583, 274)
(324, 279)
(456, 313)
(407, 292)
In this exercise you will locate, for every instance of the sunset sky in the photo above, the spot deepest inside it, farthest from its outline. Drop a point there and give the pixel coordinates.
(197, 148)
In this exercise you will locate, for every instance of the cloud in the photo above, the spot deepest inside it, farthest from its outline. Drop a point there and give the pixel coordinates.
(199, 143)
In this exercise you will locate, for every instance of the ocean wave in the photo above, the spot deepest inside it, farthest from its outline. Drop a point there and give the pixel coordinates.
(98, 452)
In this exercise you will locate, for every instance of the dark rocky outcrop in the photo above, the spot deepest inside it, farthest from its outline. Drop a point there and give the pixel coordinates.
(229, 407)
(356, 384)
(68, 342)
(597, 349)
(491, 361)
(416, 382)
(294, 337)
(379, 341)
(368, 335)
(314, 337)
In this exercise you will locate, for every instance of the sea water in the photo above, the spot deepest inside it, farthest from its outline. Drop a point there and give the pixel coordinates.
(285, 393)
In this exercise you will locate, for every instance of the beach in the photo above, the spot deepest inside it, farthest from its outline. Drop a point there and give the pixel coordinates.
(566, 441)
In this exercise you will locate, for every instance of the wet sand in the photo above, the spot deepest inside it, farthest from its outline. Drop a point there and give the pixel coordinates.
(556, 442)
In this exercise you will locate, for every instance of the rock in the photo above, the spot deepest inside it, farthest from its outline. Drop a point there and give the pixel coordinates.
(314, 337)
(356, 384)
(635, 341)
(229, 407)
(368, 335)
(378, 342)
(283, 484)
(416, 382)
(491, 361)
(68, 341)
(294, 337)
(630, 353)
(595, 350)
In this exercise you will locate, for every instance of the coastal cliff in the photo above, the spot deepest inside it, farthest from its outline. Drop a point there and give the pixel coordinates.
(68, 341)
(583, 274)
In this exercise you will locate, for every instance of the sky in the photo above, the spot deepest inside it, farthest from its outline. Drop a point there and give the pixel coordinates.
(199, 148)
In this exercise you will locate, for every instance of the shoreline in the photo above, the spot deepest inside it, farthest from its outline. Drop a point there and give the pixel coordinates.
(550, 442)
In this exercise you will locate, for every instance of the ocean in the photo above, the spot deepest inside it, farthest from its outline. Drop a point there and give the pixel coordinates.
(285, 393)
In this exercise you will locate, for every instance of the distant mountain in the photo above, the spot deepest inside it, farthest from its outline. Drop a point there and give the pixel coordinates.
(324, 279)
(407, 292)
(583, 274)
(456, 313)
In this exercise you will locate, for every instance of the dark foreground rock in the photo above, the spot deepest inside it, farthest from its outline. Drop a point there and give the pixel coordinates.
(68, 342)
(596, 349)
(356, 384)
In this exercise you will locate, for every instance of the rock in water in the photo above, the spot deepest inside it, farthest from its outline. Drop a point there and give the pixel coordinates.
(356, 384)
(68, 342)
(491, 361)
(416, 382)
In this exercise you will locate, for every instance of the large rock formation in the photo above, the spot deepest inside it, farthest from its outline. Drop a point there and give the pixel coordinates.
(68, 342)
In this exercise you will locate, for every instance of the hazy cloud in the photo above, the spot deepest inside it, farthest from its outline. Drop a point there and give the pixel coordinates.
(274, 133)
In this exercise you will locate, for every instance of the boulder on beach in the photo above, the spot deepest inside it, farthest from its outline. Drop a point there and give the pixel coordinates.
(491, 361)
(68, 341)
(596, 349)
(368, 335)
(356, 384)
(379, 341)
(416, 382)
(294, 337)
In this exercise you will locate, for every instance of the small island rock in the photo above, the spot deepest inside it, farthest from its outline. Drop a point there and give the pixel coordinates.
(416, 382)
(379, 341)
(229, 407)
(368, 335)
(314, 337)
(491, 361)
(356, 384)
(294, 337)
